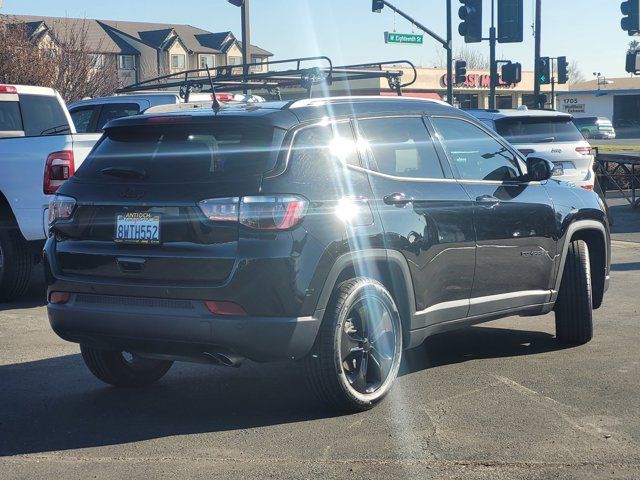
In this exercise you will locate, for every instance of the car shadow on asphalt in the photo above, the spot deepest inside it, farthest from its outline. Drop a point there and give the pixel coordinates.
(625, 267)
(55, 404)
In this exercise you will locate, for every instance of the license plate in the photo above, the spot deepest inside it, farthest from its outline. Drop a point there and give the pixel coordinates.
(137, 227)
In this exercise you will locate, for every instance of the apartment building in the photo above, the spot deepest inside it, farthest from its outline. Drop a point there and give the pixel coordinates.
(142, 50)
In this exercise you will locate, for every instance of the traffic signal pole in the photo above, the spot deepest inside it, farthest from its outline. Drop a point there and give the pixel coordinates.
(493, 74)
(449, 54)
(538, 34)
(447, 44)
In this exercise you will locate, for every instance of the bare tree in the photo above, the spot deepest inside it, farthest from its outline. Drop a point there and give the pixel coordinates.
(475, 59)
(65, 61)
(575, 74)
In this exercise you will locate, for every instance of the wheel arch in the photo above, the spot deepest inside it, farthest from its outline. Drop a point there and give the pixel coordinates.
(594, 234)
(7, 217)
(389, 267)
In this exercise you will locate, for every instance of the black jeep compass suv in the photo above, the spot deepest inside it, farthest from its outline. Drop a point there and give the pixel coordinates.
(337, 231)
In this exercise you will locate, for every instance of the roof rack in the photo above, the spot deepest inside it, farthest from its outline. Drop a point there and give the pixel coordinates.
(304, 72)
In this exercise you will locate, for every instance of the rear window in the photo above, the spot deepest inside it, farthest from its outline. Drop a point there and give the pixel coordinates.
(538, 130)
(176, 154)
(43, 115)
(10, 118)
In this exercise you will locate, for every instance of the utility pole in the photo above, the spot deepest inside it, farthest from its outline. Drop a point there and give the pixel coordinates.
(493, 73)
(538, 35)
(449, 55)
(553, 85)
(246, 34)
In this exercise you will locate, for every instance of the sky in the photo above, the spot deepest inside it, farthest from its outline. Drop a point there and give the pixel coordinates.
(587, 31)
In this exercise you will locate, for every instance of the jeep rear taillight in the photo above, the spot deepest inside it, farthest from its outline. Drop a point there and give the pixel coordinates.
(584, 150)
(58, 168)
(268, 212)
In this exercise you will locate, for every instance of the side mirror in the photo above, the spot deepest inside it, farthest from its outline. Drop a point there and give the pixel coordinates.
(539, 169)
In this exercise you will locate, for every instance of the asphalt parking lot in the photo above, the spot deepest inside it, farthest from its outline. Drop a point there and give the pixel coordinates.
(503, 400)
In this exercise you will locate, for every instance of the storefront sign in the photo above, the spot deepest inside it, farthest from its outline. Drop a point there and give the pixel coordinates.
(403, 38)
(571, 105)
(478, 81)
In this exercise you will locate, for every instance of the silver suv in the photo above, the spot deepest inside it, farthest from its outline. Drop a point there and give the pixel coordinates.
(545, 134)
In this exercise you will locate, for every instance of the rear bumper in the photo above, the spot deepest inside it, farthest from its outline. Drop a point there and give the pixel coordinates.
(180, 328)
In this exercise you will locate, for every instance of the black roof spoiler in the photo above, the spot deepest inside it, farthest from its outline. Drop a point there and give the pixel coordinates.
(304, 72)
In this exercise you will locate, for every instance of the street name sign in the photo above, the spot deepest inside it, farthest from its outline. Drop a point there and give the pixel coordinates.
(403, 38)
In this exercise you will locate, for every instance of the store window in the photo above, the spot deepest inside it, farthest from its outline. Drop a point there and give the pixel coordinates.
(466, 101)
(504, 102)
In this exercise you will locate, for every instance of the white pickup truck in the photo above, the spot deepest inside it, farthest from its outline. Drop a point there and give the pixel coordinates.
(39, 150)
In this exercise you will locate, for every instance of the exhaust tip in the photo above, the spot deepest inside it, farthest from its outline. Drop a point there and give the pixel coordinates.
(224, 359)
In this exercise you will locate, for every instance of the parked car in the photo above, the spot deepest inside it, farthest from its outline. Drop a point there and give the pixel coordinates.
(337, 231)
(545, 134)
(39, 149)
(595, 127)
(91, 115)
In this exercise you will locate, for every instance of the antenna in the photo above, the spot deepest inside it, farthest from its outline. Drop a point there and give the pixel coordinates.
(216, 104)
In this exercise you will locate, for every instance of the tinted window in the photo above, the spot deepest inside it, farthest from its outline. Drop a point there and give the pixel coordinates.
(329, 142)
(111, 111)
(10, 119)
(476, 154)
(43, 115)
(538, 130)
(170, 153)
(401, 147)
(82, 118)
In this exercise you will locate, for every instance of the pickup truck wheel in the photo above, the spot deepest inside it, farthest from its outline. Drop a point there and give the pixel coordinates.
(16, 260)
(574, 307)
(357, 353)
(123, 369)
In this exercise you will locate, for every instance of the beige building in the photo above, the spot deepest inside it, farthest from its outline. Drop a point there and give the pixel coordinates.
(432, 83)
(144, 50)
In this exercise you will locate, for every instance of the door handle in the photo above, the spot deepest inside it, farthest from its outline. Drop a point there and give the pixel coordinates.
(488, 201)
(397, 199)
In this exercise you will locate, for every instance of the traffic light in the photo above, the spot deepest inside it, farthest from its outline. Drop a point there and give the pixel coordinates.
(633, 62)
(631, 20)
(461, 71)
(471, 15)
(511, 73)
(510, 21)
(563, 70)
(544, 71)
(377, 6)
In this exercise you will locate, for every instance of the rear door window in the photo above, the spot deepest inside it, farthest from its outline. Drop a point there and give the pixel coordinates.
(111, 111)
(529, 130)
(43, 115)
(10, 118)
(82, 118)
(179, 153)
(327, 142)
(401, 147)
(475, 154)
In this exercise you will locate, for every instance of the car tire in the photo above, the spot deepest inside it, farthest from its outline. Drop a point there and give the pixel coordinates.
(358, 350)
(122, 369)
(16, 262)
(574, 307)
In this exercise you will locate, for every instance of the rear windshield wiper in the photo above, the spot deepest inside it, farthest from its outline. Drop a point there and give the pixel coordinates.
(64, 128)
(124, 172)
(547, 140)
